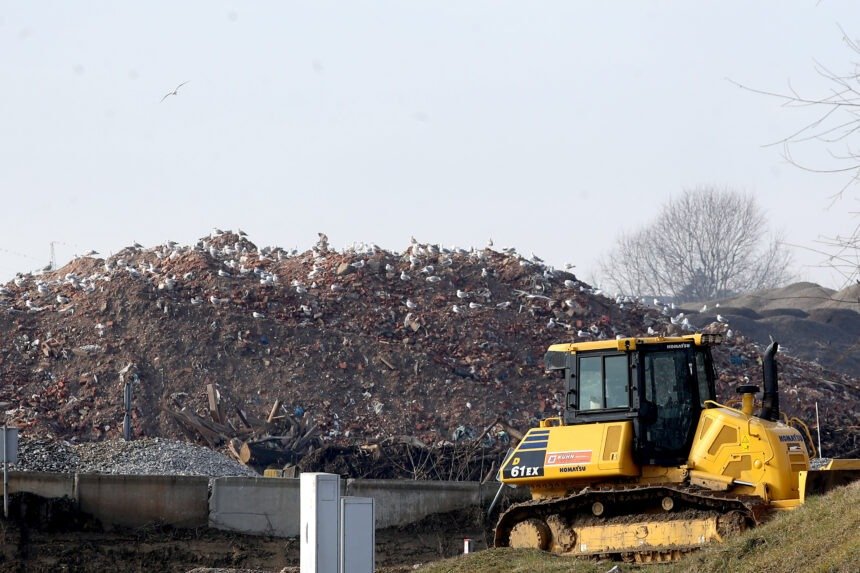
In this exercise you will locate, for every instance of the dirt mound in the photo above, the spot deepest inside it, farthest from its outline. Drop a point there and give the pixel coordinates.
(804, 296)
(362, 344)
(814, 323)
(847, 298)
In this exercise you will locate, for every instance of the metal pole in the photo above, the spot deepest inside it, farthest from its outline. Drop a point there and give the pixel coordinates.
(495, 499)
(5, 477)
(126, 420)
(818, 427)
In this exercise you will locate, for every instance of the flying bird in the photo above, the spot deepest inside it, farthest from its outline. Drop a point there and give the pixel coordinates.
(173, 93)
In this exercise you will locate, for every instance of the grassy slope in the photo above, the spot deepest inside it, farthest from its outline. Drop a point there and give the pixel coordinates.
(823, 535)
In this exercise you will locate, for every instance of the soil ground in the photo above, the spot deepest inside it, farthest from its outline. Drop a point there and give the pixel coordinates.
(72, 545)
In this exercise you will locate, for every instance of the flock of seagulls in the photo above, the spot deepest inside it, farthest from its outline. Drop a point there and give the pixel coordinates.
(231, 258)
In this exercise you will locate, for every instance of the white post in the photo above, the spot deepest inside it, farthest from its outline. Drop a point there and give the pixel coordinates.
(357, 535)
(319, 519)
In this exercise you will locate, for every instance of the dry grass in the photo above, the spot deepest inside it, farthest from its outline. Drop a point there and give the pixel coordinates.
(823, 535)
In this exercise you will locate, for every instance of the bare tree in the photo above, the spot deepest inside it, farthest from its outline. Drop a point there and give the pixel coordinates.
(835, 126)
(707, 243)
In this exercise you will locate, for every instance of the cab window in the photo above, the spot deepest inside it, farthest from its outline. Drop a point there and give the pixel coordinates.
(702, 369)
(603, 382)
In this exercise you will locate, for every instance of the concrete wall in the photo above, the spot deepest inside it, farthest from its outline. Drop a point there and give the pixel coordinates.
(399, 502)
(138, 500)
(268, 506)
(43, 484)
(265, 506)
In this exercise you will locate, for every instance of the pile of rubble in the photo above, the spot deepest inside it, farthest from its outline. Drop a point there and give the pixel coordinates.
(360, 345)
(46, 455)
(148, 456)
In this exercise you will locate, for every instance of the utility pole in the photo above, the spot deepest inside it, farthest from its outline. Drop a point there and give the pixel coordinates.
(126, 420)
(53, 256)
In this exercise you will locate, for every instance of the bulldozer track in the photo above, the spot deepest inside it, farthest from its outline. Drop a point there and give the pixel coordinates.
(624, 505)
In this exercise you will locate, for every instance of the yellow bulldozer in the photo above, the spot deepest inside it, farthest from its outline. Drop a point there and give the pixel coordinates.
(645, 465)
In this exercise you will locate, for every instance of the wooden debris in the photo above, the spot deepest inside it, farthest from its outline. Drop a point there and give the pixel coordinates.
(214, 404)
(274, 411)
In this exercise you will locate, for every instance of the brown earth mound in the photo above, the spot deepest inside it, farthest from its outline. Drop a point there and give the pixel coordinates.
(812, 322)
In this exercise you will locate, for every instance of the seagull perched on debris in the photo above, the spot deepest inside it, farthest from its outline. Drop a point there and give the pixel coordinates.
(404, 276)
(462, 294)
(410, 304)
(721, 318)
(256, 314)
(173, 93)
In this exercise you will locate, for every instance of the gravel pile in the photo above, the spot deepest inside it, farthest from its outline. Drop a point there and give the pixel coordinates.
(46, 456)
(153, 456)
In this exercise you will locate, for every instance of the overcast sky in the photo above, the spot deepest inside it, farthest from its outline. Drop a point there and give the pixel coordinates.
(548, 126)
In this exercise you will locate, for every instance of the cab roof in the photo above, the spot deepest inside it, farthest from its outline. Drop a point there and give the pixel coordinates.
(631, 343)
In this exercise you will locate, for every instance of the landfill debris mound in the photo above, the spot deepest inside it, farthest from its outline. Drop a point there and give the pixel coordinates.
(146, 456)
(252, 350)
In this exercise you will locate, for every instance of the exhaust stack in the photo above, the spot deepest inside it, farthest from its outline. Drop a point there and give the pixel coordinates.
(770, 399)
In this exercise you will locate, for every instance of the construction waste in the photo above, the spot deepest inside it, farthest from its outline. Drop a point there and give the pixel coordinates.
(272, 356)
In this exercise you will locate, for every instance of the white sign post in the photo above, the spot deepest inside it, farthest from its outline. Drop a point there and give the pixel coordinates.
(318, 522)
(10, 455)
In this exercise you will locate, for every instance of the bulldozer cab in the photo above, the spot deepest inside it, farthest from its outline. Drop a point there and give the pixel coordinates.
(659, 384)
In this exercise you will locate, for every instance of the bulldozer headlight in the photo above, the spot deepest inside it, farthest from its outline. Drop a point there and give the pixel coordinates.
(712, 339)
